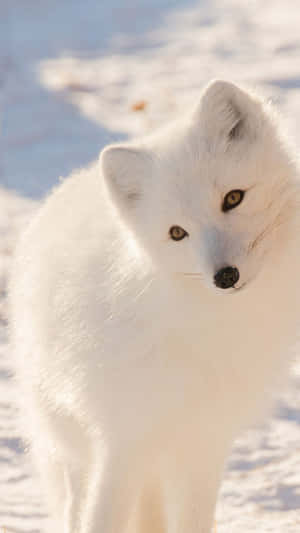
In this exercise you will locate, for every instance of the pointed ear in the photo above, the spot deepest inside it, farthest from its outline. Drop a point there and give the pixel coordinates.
(124, 169)
(229, 113)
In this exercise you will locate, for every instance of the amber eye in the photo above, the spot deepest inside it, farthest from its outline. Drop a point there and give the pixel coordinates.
(232, 199)
(177, 233)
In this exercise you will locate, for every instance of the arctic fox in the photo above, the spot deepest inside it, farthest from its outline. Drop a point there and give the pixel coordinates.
(155, 303)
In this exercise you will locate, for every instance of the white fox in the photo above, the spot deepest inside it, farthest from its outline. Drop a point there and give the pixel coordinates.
(154, 305)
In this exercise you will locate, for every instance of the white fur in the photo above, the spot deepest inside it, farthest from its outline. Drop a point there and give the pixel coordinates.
(138, 372)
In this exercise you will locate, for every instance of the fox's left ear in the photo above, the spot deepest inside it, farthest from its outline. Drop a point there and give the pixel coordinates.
(228, 113)
(125, 169)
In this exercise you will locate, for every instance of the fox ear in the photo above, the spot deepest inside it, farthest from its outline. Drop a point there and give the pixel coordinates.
(229, 113)
(124, 169)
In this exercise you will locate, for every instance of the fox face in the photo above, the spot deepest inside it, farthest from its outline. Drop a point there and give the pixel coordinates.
(212, 196)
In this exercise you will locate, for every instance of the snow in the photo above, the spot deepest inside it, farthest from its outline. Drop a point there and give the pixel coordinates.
(77, 75)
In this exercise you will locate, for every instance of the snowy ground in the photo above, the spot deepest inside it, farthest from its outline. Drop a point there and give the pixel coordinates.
(75, 75)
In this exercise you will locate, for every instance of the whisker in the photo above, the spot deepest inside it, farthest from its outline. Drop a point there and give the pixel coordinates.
(277, 223)
(192, 275)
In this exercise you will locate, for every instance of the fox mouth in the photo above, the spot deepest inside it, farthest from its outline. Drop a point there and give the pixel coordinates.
(240, 288)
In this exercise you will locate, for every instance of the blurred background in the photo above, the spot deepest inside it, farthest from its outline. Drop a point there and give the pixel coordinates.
(73, 72)
(78, 74)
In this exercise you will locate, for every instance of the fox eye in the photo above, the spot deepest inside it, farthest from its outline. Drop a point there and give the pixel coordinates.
(177, 233)
(232, 199)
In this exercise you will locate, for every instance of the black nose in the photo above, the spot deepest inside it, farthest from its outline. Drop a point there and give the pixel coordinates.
(227, 277)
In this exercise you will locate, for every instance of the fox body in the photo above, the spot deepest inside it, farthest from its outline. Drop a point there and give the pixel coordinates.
(138, 368)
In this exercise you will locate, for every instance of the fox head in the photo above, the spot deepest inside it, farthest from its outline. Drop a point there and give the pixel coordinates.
(213, 195)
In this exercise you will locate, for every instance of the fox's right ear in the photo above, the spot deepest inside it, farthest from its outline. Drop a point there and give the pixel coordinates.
(125, 169)
(229, 114)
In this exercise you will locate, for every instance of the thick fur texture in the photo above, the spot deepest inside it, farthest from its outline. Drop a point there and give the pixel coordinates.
(138, 372)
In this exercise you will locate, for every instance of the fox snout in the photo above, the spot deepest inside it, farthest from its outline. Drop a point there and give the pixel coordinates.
(226, 277)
